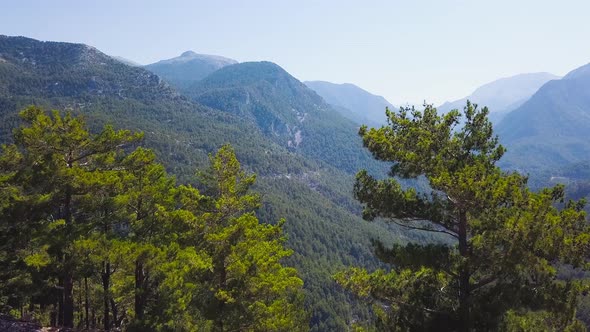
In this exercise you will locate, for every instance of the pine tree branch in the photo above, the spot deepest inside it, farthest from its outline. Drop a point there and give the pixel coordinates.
(484, 282)
(418, 228)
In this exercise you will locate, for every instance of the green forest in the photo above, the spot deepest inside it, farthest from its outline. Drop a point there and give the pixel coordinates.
(96, 234)
(205, 194)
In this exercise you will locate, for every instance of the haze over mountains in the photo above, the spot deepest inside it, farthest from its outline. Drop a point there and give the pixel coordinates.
(503, 95)
(353, 102)
(552, 128)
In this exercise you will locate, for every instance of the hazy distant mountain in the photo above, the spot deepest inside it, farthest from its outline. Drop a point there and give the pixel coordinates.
(189, 67)
(126, 61)
(553, 127)
(353, 102)
(503, 95)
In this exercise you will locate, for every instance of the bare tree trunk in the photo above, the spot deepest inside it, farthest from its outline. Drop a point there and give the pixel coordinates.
(68, 282)
(53, 316)
(80, 306)
(86, 301)
(105, 286)
(139, 290)
(60, 302)
(93, 318)
(68, 298)
(114, 311)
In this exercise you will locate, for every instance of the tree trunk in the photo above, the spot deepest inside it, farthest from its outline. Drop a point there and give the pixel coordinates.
(105, 286)
(93, 318)
(68, 286)
(53, 317)
(60, 302)
(86, 302)
(68, 306)
(139, 290)
(464, 275)
(80, 306)
(114, 311)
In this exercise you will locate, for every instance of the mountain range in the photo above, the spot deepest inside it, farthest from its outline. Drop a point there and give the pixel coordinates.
(503, 95)
(552, 128)
(357, 104)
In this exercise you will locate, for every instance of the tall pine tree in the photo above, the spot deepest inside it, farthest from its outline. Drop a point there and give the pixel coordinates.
(499, 241)
(248, 288)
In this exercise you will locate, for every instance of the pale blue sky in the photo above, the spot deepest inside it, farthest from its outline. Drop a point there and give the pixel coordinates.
(407, 51)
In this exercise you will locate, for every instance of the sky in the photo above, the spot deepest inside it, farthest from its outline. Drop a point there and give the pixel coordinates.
(409, 51)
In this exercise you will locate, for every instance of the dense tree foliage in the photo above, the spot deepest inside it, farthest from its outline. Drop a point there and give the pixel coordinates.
(97, 235)
(496, 267)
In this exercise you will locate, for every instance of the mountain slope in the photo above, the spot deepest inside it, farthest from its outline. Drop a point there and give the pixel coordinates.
(323, 224)
(353, 102)
(189, 67)
(503, 95)
(286, 111)
(553, 127)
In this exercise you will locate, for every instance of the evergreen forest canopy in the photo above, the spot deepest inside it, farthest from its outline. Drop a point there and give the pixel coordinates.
(95, 234)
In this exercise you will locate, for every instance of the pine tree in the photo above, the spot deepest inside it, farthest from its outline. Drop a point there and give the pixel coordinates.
(166, 265)
(248, 288)
(59, 164)
(499, 241)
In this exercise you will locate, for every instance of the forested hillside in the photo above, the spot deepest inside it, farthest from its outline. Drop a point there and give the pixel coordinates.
(323, 225)
(286, 112)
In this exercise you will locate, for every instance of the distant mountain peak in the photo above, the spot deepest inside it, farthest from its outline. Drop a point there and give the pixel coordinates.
(254, 71)
(583, 71)
(189, 55)
(189, 67)
(505, 85)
